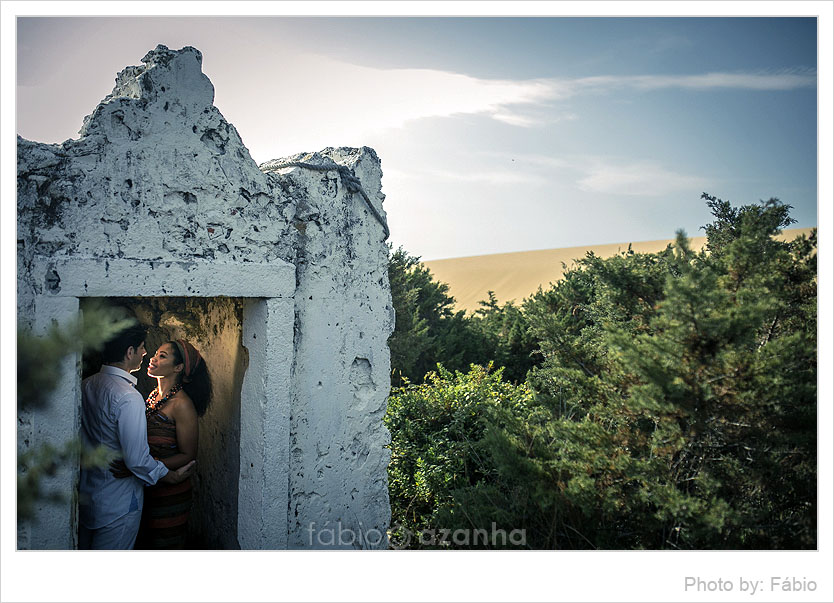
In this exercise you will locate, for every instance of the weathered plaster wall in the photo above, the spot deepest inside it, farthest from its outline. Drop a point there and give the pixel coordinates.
(157, 173)
(342, 367)
(56, 424)
(160, 179)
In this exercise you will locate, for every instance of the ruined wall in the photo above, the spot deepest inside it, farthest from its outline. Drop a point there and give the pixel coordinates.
(158, 177)
(342, 367)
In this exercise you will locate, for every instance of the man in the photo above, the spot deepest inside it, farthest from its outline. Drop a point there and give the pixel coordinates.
(113, 415)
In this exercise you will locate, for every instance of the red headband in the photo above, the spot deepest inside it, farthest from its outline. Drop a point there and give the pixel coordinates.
(190, 357)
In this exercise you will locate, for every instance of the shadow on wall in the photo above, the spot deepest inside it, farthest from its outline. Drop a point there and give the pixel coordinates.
(214, 327)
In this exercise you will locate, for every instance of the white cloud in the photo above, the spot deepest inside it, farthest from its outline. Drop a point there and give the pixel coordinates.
(779, 80)
(313, 101)
(495, 176)
(635, 178)
(608, 175)
(514, 119)
(529, 159)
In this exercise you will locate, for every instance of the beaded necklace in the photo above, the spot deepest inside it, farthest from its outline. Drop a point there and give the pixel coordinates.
(152, 404)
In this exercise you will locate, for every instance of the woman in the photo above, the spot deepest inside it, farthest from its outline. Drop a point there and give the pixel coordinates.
(182, 394)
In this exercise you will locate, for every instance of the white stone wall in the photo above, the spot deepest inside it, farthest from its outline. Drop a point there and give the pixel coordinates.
(54, 425)
(160, 182)
(342, 366)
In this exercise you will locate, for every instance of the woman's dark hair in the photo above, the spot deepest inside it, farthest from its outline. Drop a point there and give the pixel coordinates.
(116, 348)
(198, 387)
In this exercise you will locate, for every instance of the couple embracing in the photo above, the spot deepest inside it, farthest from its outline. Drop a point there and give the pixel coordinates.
(156, 438)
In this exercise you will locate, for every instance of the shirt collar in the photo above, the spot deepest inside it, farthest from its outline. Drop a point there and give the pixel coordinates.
(112, 370)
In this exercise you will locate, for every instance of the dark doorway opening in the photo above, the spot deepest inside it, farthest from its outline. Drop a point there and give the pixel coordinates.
(214, 326)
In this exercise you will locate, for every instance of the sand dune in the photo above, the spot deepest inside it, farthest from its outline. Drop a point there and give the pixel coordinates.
(514, 276)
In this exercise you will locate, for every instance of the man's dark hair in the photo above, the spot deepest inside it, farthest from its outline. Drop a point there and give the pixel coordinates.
(116, 348)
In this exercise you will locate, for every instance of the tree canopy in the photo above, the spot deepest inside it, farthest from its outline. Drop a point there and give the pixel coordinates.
(670, 402)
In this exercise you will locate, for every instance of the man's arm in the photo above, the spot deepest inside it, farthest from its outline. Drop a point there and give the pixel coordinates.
(180, 475)
(120, 470)
(133, 437)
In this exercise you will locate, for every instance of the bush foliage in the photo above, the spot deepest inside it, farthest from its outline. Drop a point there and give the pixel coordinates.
(39, 359)
(663, 400)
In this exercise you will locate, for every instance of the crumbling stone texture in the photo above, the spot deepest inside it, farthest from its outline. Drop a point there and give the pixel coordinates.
(160, 178)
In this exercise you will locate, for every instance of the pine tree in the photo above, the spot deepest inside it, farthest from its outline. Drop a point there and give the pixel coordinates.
(674, 405)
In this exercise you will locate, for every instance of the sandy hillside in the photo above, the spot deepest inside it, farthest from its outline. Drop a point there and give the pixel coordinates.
(514, 276)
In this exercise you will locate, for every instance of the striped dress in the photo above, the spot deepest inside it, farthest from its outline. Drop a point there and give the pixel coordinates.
(166, 508)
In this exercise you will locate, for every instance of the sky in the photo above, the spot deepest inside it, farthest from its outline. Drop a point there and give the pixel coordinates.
(495, 134)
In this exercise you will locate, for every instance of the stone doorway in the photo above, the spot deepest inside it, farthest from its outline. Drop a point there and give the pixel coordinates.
(213, 326)
(245, 446)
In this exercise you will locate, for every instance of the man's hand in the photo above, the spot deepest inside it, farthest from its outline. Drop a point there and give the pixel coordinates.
(180, 475)
(119, 469)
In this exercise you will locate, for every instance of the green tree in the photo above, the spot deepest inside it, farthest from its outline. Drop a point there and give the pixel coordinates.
(674, 406)
(681, 387)
(426, 326)
(505, 329)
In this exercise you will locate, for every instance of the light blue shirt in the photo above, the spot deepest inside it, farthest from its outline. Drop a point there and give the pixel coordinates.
(113, 415)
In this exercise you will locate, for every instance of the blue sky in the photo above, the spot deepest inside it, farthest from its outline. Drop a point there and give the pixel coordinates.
(495, 134)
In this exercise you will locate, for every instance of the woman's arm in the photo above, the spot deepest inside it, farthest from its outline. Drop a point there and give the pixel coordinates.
(185, 417)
